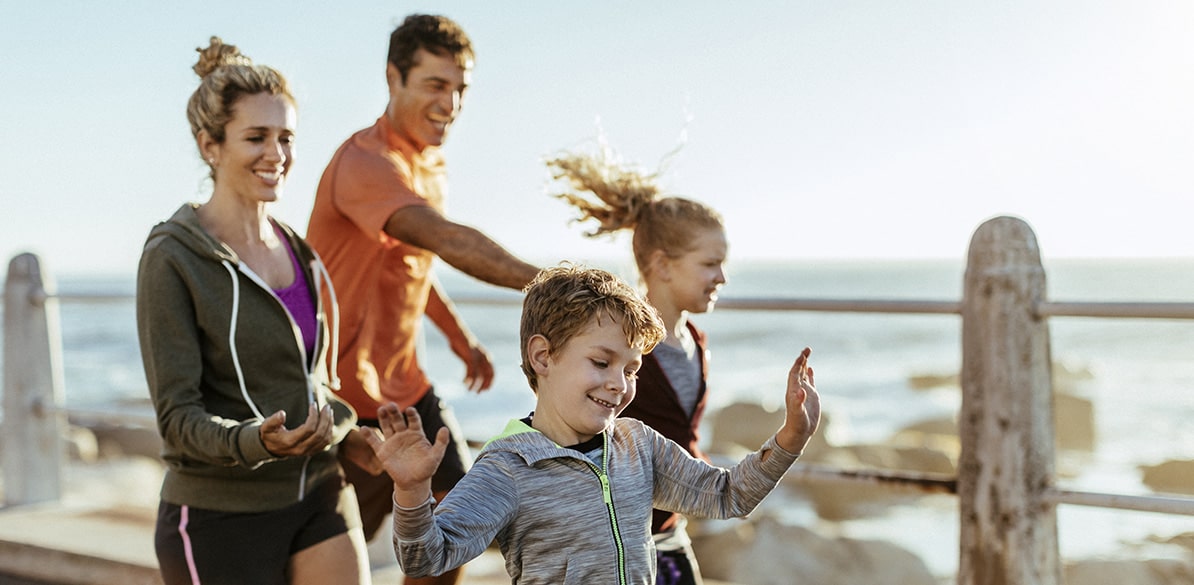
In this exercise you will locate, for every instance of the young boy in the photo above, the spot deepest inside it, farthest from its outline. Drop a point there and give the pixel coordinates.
(568, 491)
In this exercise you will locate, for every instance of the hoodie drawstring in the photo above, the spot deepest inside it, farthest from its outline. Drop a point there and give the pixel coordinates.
(321, 271)
(240, 374)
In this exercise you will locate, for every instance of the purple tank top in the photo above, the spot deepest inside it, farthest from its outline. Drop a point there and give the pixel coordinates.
(297, 299)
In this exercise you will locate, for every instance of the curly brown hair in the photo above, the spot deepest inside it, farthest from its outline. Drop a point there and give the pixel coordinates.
(561, 301)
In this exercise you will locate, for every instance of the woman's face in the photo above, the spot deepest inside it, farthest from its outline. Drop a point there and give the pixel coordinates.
(258, 148)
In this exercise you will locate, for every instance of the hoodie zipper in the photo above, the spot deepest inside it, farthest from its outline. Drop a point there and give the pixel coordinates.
(307, 374)
(608, 497)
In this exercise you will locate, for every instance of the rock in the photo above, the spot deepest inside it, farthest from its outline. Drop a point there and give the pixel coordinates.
(930, 381)
(81, 444)
(766, 552)
(1148, 572)
(848, 500)
(1184, 540)
(1073, 422)
(1174, 476)
(743, 427)
(122, 441)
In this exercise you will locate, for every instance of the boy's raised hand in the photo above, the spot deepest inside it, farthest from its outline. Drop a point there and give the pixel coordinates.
(406, 454)
(803, 406)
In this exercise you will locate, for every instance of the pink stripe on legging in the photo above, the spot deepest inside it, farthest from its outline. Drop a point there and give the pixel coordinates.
(186, 546)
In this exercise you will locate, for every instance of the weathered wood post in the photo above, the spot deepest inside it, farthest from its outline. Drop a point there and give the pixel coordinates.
(33, 450)
(1008, 531)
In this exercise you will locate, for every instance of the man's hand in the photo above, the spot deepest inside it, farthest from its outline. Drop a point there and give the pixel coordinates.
(356, 448)
(478, 369)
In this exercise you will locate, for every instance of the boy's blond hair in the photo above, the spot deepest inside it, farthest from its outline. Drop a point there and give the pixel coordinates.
(562, 300)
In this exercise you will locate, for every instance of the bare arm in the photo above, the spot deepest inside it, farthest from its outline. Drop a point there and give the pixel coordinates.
(463, 247)
(478, 374)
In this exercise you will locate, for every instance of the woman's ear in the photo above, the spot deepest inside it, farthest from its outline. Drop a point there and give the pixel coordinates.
(539, 354)
(208, 147)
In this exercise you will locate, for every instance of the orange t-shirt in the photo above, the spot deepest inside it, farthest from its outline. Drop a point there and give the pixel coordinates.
(381, 283)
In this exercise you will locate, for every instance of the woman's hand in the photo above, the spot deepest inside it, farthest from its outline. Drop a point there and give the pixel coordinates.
(313, 436)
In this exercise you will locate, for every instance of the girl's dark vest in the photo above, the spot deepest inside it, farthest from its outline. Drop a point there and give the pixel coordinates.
(656, 405)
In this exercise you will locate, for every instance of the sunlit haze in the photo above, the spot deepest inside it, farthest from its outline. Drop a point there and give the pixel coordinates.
(819, 129)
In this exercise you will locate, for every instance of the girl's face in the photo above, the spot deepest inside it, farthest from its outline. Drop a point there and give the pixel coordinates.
(586, 384)
(258, 148)
(693, 280)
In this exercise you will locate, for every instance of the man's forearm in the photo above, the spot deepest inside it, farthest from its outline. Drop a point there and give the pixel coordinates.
(473, 253)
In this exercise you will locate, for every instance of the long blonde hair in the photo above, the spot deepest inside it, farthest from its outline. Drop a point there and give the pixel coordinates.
(621, 196)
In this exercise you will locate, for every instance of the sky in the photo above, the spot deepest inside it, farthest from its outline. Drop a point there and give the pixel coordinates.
(820, 130)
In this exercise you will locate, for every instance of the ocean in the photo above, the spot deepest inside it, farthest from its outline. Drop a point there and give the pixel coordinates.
(870, 370)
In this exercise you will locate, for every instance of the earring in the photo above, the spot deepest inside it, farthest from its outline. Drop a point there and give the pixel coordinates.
(211, 161)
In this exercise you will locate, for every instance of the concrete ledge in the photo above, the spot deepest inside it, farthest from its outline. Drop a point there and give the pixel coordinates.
(68, 568)
(82, 546)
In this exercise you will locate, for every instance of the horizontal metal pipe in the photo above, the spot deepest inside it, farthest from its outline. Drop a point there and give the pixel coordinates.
(927, 482)
(1137, 310)
(137, 418)
(1160, 504)
(1122, 309)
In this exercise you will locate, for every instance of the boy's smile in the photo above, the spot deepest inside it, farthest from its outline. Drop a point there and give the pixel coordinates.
(586, 384)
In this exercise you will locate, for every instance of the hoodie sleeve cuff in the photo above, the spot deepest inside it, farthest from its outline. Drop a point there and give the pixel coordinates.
(780, 459)
(252, 448)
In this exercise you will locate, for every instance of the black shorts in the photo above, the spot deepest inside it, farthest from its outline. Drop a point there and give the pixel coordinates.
(376, 492)
(195, 545)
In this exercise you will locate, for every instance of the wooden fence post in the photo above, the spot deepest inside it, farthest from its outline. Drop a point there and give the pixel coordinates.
(1008, 531)
(31, 437)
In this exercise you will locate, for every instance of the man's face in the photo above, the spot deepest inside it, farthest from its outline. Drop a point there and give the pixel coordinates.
(423, 107)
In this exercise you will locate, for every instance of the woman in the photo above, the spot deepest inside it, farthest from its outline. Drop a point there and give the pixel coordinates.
(233, 338)
(680, 249)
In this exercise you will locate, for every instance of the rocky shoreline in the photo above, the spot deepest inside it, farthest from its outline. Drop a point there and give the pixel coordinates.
(119, 465)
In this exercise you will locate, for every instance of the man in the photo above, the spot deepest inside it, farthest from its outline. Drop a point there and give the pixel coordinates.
(378, 223)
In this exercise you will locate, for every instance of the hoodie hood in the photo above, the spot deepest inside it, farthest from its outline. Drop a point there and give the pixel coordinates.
(184, 227)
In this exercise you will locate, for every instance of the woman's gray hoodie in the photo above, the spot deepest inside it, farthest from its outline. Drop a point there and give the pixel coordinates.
(561, 518)
(221, 353)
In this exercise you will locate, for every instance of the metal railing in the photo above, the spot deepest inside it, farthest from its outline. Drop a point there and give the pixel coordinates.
(1005, 482)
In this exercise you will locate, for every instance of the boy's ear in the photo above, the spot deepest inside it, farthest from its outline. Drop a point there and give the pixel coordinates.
(539, 354)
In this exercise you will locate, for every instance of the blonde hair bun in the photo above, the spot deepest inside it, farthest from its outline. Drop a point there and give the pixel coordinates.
(217, 55)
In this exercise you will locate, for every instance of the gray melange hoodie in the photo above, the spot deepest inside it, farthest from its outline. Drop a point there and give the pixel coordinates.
(560, 518)
(211, 394)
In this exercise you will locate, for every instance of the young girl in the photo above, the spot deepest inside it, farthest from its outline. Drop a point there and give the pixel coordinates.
(680, 249)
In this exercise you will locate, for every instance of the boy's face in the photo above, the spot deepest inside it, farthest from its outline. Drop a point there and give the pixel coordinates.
(586, 384)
